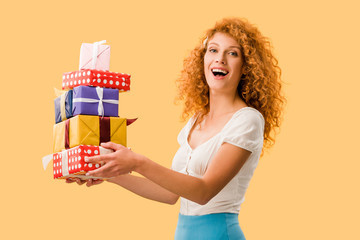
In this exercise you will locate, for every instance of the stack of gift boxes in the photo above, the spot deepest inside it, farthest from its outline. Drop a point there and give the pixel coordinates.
(86, 113)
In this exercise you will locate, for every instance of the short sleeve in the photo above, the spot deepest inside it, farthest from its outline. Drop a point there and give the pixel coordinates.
(246, 130)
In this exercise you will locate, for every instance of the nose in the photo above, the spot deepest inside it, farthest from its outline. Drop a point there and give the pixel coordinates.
(220, 59)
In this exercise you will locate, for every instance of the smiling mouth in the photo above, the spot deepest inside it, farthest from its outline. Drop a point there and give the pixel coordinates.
(219, 72)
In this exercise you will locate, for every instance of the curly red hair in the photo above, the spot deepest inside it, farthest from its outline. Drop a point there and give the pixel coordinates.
(260, 84)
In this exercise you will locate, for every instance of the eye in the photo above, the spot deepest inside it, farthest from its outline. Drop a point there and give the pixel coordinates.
(235, 54)
(212, 50)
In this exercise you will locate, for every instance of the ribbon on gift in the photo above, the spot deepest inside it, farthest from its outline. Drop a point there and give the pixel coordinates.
(104, 125)
(101, 100)
(104, 128)
(63, 96)
(130, 121)
(95, 52)
(64, 162)
(58, 92)
(62, 106)
(67, 139)
(46, 160)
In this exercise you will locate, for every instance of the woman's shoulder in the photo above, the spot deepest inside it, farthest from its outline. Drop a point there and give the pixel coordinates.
(246, 129)
(248, 114)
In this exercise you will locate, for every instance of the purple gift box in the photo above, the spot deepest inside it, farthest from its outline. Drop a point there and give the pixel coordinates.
(95, 101)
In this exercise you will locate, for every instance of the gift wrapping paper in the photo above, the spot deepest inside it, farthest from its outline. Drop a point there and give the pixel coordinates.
(63, 106)
(97, 78)
(95, 101)
(95, 56)
(71, 162)
(88, 130)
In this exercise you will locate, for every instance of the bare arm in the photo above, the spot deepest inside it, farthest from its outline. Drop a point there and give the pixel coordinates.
(138, 185)
(225, 165)
(145, 188)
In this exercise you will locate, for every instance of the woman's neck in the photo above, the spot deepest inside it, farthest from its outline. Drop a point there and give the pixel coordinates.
(221, 104)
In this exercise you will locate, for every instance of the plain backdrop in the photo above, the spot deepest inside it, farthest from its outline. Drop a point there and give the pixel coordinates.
(305, 187)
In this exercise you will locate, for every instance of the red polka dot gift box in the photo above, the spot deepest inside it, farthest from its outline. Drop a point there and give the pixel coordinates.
(71, 162)
(96, 78)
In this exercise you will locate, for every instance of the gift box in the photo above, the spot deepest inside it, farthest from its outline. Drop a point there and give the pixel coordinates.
(97, 78)
(95, 101)
(63, 106)
(88, 130)
(95, 56)
(71, 162)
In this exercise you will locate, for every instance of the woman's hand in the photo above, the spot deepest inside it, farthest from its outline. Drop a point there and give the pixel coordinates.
(89, 182)
(121, 161)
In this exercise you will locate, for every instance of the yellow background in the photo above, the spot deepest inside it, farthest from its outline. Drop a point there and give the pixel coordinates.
(306, 187)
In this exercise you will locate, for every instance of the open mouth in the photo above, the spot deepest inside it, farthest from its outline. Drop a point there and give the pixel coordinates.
(219, 72)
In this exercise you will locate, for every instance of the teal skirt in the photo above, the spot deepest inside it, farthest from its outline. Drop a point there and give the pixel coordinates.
(217, 226)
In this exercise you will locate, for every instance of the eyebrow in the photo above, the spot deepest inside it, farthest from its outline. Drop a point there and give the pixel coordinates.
(228, 47)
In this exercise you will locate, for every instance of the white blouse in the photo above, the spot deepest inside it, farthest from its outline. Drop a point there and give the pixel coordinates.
(245, 129)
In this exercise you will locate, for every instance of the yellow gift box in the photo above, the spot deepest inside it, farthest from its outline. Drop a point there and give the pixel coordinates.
(88, 130)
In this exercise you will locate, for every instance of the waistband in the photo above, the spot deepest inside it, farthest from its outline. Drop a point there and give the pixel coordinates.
(212, 216)
(215, 226)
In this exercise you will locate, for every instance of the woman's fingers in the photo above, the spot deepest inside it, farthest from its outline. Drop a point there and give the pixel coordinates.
(69, 180)
(77, 180)
(113, 146)
(112, 164)
(99, 158)
(110, 169)
(100, 172)
(91, 182)
(106, 157)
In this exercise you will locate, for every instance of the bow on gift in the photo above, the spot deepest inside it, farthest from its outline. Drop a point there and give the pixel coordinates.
(101, 100)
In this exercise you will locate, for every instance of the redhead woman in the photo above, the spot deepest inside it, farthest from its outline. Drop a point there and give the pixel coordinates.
(231, 89)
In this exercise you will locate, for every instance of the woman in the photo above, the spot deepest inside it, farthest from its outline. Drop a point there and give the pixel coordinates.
(231, 86)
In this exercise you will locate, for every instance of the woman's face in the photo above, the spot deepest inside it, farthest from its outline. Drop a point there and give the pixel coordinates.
(223, 63)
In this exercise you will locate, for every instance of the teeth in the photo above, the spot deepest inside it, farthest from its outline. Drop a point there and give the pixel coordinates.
(219, 70)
